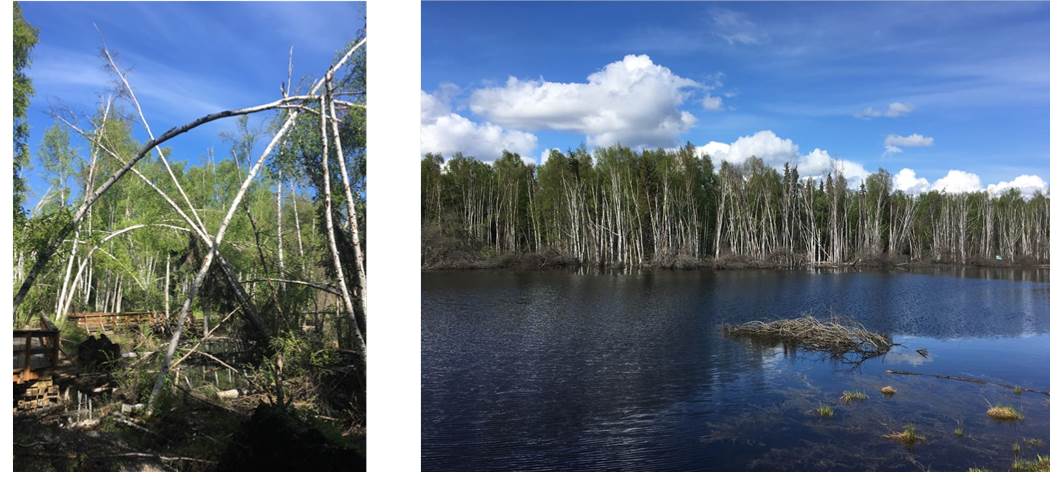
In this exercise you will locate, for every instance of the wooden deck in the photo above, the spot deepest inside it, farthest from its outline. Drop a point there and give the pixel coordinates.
(101, 322)
(36, 351)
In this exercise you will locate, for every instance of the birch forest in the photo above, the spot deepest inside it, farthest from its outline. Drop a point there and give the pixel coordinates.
(210, 309)
(620, 208)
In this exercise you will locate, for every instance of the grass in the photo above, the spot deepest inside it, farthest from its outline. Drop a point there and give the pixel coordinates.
(1041, 463)
(908, 436)
(959, 432)
(850, 396)
(1004, 412)
(888, 390)
(1032, 442)
(825, 411)
(1016, 448)
(1018, 390)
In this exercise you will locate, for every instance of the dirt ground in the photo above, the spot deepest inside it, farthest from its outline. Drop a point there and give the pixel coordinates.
(186, 433)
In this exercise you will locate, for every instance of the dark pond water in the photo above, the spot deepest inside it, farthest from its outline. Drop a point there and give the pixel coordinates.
(561, 371)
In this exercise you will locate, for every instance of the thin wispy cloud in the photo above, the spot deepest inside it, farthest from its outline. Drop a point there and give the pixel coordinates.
(894, 143)
(736, 28)
(893, 110)
(167, 94)
(183, 60)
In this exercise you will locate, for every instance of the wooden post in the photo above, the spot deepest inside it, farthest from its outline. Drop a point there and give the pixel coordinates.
(54, 353)
(26, 369)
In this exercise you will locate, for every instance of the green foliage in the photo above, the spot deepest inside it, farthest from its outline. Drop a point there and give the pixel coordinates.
(136, 383)
(59, 158)
(303, 355)
(24, 39)
(129, 270)
(70, 335)
(35, 234)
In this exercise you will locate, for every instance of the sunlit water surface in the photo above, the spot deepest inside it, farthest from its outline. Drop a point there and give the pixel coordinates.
(565, 371)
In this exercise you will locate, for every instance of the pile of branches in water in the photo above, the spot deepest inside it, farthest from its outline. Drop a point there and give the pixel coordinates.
(848, 341)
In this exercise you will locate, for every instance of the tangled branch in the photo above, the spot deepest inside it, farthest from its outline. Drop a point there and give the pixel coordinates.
(843, 340)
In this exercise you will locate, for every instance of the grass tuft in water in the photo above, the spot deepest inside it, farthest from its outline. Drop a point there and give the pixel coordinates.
(959, 432)
(888, 391)
(907, 436)
(845, 340)
(1018, 390)
(825, 411)
(1033, 442)
(850, 396)
(1004, 412)
(1016, 448)
(1041, 463)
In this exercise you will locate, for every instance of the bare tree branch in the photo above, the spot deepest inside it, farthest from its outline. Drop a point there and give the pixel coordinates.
(220, 235)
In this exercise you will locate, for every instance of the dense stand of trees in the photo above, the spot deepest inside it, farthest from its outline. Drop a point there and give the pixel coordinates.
(272, 237)
(620, 207)
(132, 252)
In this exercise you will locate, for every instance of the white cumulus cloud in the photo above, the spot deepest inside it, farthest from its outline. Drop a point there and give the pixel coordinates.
(819, 163)
(1026, 184)
(772, 149)
(907, 182)
(776, 151)
(447, 133)
(433, 107)
(715, 150)
(632, 102)
(957, 181)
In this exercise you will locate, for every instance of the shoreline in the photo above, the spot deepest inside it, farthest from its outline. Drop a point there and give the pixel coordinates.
(540, 262)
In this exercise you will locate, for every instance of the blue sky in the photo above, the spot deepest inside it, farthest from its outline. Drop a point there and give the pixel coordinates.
(918, 89)
(184, 60)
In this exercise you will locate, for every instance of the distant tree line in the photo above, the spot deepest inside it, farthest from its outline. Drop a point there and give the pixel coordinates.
(621, 207)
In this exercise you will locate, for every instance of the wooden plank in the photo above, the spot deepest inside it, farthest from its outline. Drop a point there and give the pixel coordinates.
(79, 315)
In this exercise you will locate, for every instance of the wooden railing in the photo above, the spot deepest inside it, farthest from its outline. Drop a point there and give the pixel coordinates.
(36, 351)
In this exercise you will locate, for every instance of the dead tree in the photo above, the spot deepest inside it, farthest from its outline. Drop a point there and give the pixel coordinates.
(193, 288)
